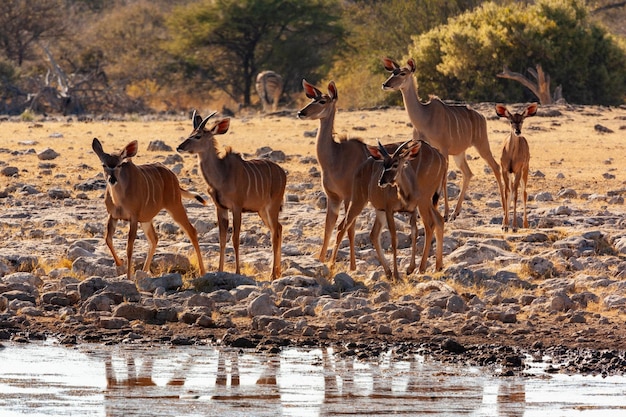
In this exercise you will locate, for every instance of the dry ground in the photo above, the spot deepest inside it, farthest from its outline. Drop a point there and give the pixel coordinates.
(566, 147)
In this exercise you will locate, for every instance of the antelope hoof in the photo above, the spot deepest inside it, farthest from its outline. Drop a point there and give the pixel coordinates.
(410, 269)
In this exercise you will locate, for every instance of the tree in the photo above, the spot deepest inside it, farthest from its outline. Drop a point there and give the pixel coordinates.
(460, 60)
(223, 44)
(383, 28)
(25, 23)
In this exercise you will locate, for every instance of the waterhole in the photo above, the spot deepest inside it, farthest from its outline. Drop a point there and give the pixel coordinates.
(46, 379)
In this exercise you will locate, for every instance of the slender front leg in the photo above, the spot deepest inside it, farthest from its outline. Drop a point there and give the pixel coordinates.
(413, 223)
(332, 212)
(236, 231)
(391, 225)
(132, 234)
(461, 162)
(507, 191)
(108, 238)
(153, 239)
(222, 223)
(375, 238)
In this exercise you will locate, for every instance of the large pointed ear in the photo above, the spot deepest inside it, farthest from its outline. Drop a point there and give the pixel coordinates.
(375, 153)
(413, 151)
(130, 150)
(221, 127)
(97, 147)
(502, 111)
(411, 64)
(310, 90)
(390, 64)
(332, 90)
(531, 110)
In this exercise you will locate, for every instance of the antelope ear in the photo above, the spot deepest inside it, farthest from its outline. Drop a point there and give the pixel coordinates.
(411, 64)
(130, 150)
(390, 64)
(310, 90)
(375, 152)
(501, 110)
(332, 91)
(531, 110)
(221, 127)
(413, 151)
(97, 147)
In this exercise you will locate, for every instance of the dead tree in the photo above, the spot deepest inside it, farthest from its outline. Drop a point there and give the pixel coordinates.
(540, 87)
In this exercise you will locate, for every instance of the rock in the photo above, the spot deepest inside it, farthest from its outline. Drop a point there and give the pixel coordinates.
(133, 311)
(58, 194)
(539, 267)
(343, 282)
(159, 146)
(456, 304)
(9, 171)
(47, 154)
(23, 278)
(113, 323)
(169, 282)
(261, 306)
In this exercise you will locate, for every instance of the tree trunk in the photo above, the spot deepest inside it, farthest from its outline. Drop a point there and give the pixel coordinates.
(541, 86)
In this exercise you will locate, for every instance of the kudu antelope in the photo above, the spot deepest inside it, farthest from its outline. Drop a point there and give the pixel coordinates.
(269, 87)
(514, 161)
(452, 129)
(339, 160)
(417, 173)
(238, 185)
(137, 193)
(386, 200)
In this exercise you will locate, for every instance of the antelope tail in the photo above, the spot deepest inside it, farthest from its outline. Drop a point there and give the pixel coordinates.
(190, 195)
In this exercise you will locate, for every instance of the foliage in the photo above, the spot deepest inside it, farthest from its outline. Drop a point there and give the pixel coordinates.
(24, 23)
(223, 44)
(460, 60)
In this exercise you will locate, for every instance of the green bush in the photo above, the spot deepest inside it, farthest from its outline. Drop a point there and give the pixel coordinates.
(460, 60)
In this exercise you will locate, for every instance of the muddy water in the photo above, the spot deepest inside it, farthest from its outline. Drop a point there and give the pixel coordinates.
(45, 379)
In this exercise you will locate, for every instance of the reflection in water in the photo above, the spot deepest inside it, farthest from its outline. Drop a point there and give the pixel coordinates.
(49, 380)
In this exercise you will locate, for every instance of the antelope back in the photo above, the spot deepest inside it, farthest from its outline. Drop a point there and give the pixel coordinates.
(112, 163)
(321, 105)
(269, 86)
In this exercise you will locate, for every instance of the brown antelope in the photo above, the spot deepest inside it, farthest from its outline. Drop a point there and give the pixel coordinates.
(257, 185)
(386, 201)
(339, 160)
(514, 161)
(269, 87)
(137, 193)
(418, 184)
(450, 129)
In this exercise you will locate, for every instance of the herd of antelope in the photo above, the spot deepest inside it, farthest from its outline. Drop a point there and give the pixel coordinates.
(407, 177)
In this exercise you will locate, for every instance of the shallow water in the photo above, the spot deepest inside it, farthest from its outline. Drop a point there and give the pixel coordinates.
(45, 379)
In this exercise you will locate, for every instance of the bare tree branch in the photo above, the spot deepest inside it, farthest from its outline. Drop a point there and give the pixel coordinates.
(541, 86)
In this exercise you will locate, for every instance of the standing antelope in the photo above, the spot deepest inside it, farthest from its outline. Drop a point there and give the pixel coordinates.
(137, 193)
(339, 160)
(450, 129)
(269, 87)
(417, 172)
(386, 200)
(257, 185)
(514, 160)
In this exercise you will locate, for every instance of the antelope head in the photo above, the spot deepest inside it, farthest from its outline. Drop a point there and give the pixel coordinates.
(321, 105)
(517, 119)
(393, 163)
(400, 76)
(112, 163)
(200, 138)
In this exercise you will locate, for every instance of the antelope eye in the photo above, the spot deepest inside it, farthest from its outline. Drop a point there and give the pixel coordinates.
(323, 101)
